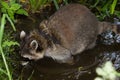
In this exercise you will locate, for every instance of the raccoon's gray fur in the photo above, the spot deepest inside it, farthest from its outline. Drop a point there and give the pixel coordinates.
(70, 31)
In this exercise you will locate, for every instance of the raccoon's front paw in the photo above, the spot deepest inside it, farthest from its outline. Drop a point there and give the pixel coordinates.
(66, 58)
(60, 54)
(70, 61)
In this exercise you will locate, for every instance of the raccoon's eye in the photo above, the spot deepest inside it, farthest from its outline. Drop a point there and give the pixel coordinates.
(40, 49)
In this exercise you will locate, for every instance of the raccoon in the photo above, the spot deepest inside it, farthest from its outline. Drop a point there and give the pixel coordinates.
(68, 32)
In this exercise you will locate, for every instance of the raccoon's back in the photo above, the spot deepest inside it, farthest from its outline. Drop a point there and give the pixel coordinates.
(76, 25)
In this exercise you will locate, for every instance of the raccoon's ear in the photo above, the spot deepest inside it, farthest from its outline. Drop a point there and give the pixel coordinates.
(22, 34)
(34, 44)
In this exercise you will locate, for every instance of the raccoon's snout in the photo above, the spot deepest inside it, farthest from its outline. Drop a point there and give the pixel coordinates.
(27, 57)
(35, 56)
(24, 56)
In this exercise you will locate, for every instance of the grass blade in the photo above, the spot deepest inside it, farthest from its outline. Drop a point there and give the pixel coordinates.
(1, 70)
(13, 26)
(3, 21)
(56, 4)
(112, 9)
(65, 1)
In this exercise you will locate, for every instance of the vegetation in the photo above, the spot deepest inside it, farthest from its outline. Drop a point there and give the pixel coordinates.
(36, 5)
(8, 11)
(10, 8)
(107, 72)
(103, 9)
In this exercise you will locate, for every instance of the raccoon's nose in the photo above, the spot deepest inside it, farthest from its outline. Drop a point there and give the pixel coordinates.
(27, 56)
(22, 55)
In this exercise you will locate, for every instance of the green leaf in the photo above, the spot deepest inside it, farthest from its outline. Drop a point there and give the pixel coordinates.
(112, 9)
(11, 14)
(15, 6)
(9, 44)
(22, 12)
(106, 6)
(11, 22)
(101, 72)
(56, 4)
(5, 5)
(117, 13)
(66, 2)
(98, 78)
(3, 71)
(33, 3)
(3, 10)
(12, 2)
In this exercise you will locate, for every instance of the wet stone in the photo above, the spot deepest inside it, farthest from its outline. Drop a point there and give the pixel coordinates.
(109, 38)
(114, 57)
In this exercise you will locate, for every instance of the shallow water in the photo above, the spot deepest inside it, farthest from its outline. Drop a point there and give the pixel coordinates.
(83, 69)
(107, 48)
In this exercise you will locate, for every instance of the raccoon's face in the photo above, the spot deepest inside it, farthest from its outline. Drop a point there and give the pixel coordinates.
(30, 47)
